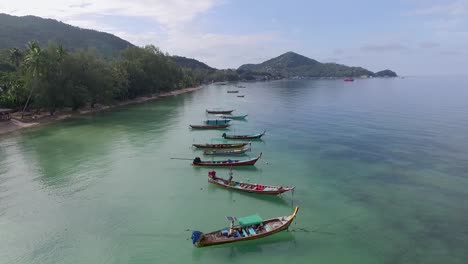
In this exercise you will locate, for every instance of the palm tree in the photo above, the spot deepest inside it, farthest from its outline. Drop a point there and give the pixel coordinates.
(33, 62)
(15, 56)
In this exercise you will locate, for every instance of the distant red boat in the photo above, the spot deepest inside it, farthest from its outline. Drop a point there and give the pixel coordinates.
(349, 80)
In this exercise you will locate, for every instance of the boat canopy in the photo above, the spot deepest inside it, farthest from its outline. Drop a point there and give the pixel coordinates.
(250, 220)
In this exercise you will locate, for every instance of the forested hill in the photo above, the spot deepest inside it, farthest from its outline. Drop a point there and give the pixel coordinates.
(18, 31)
(191, 63)
(291, 64)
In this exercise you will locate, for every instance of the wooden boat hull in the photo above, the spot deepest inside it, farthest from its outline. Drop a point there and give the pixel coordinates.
(243, 137)
(227, 163)
(233, 117)
(221, 146)
(266, 189)
(280, 224)
(222, 126)
(226, 112)
(226, 151)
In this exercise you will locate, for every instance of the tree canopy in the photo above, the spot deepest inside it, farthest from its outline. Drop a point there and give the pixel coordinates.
(51, 77)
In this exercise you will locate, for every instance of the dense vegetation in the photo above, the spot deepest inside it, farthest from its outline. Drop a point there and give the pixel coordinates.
(51, 77)
(291, 64)
(18, 31)
(386, 73)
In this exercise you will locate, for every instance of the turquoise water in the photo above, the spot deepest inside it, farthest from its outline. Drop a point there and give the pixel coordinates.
(380, 165)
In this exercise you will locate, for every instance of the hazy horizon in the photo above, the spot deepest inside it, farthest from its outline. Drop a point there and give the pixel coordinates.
(421, 38)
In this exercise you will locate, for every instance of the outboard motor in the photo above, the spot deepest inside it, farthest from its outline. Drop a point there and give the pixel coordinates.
(197, 160)
(196, 236)
(212, 174)
(223, 135)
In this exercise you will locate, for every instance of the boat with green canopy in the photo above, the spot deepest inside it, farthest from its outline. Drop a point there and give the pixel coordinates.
(247, 228)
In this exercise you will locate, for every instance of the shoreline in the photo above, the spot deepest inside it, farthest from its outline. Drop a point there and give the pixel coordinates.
(16, 124)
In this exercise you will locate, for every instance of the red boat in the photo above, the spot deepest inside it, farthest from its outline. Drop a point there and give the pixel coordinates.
(246, 187)
(221, 126)
(222, 146)
(224, 112)
(349, 80)
(225, 163)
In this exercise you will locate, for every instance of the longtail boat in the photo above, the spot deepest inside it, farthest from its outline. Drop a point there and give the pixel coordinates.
(226, 151)
(256, 136)
(225, 163)
(247, 228)
(214, 111)
(237, 117)
(233, 91)
(349, 79)
(241, 96)
(217, 121)
(246, 187)
(221, 126)
(222, 146)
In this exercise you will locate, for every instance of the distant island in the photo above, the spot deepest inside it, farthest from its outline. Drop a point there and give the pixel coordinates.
(291, 64)
(47, 65)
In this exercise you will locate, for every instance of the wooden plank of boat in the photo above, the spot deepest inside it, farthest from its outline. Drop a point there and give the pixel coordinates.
(225, 163)
(249, 228)
(222, 146)
(233, 116)
(217, 121)
(226, 151)
(221, 126)
(246, 187)
(219, 111)
(233, 91)
(256, 136)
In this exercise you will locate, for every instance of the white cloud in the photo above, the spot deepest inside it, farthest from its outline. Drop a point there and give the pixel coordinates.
(453, 8)
(167, 13)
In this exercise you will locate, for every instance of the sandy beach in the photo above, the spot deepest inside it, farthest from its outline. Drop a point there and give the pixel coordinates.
(16, 123)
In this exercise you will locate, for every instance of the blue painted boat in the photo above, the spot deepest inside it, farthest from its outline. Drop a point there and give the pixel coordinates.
(217, 121)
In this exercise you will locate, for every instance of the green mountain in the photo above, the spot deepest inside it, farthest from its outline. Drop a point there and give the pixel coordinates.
(192, 64)
(386, 73)
(18, 31)
(291, 64)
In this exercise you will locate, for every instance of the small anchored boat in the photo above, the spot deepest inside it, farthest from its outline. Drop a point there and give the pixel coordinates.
(247, 228)
(217, 121)
(215, 111)
(225, 163)
(221, 126)
(349, 79)
(222, 146)
(246, 187)
(236, 117)
(226, 151)
(233, 91)
(255, 136)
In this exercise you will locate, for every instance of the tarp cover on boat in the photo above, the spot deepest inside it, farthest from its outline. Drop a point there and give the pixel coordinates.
(250, 220)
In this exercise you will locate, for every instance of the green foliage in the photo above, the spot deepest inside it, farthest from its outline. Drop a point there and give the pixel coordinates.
(386, 73)
(53, 78)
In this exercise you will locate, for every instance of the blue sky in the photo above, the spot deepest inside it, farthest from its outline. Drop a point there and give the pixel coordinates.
(412, 37)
